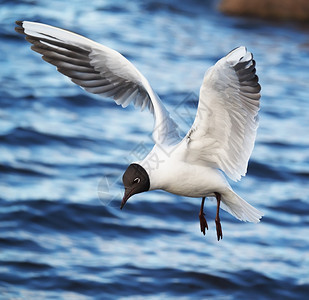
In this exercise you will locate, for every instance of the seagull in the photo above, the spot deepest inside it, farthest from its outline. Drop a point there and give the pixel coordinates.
(217, 146)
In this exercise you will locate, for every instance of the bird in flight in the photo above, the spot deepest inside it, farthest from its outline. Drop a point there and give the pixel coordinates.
(218, 144)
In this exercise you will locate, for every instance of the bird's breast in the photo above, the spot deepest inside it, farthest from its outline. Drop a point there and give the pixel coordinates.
(188, 180)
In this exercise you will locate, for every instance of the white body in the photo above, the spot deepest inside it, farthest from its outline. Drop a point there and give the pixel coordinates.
(173, 174)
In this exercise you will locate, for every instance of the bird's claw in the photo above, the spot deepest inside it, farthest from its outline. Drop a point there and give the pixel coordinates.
(219, 229)
(203, 223)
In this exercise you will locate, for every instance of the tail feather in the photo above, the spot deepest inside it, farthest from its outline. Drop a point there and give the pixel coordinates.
(239, 208)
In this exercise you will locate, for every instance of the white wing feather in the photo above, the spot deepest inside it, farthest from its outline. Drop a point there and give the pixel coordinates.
(99, 70)
(224, 129)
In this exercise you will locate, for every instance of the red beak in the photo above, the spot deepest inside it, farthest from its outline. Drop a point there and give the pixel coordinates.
(127, 194)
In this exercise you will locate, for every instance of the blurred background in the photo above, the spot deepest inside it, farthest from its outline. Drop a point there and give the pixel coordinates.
(63, 152)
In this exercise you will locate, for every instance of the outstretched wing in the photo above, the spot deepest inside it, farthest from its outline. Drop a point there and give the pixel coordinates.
(224, 129)
(99, 70)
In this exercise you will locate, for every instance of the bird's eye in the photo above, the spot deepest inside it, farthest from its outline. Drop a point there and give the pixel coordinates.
(136, 180)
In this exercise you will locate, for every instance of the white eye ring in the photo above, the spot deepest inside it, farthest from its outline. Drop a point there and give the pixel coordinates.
(137, 180)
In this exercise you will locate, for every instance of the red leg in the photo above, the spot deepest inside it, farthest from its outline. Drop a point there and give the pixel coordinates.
(201, 215)
(218, 224)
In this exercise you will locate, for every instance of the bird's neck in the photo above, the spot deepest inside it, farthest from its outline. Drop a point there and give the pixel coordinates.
(156, 164)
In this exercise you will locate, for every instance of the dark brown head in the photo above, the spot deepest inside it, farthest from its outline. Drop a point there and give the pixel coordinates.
(135, 180)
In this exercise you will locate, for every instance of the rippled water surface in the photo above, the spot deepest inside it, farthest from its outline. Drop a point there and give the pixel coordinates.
(63, 152)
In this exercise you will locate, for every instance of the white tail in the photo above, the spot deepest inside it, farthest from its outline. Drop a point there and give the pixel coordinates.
(239, 208)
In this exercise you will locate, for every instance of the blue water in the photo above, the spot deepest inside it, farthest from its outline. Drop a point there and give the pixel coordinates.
(63, 152)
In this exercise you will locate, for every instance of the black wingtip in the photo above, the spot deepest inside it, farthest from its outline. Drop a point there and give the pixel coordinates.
(20, 28)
